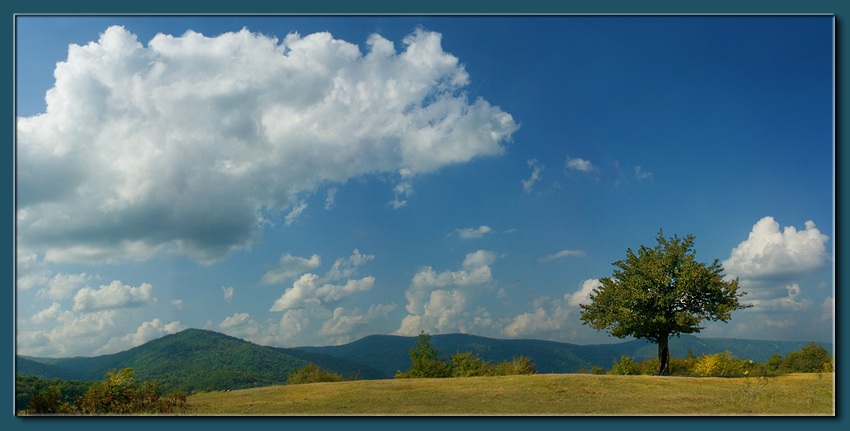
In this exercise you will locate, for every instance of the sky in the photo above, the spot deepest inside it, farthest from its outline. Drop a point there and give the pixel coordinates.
(312, 180)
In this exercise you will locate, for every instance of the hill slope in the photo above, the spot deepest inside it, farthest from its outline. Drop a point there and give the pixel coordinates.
(194, 360)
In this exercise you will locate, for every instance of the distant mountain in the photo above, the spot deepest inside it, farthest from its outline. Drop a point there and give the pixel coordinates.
(389, 353)
(195, 359)
(200, 360)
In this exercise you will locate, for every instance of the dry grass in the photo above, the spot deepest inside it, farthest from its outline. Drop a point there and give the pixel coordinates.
(545, 394)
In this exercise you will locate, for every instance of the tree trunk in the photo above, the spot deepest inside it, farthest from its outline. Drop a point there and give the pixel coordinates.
(663, 356)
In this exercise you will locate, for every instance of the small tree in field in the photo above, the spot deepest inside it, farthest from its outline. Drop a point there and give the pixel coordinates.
(425, 360)
(659, 292)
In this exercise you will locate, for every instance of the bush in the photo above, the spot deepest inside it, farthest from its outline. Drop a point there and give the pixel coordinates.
(517, 366)
(812, 358)
(626, 367)
(468, 364)
(119, 393)
(719, 365)
(597, 370)
(47, 401)
(311, 374)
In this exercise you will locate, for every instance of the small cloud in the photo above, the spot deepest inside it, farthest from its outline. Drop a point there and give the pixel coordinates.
(177, 303)
(112, 296)
(402, 190)
(561, 254)
(640, 174)
(228, 293)
(536, 171)
(330, 199)
(290, 267)
(295, 213)
(583, 294)
(579, 164)
(471, 233)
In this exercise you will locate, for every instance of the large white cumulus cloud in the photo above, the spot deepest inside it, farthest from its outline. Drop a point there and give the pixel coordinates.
(192, 144)
(771, 253)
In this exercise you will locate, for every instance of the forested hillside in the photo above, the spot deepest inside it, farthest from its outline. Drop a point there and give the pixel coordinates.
(201, 360)
(195, 360)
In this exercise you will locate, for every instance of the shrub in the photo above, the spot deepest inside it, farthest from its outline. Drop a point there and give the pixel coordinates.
(719, 365)
(311, 373)
(468, 364)
(119, 393)
(597, 370)
(517, 366)
(626, 367)
(810, 359)
(47, 401)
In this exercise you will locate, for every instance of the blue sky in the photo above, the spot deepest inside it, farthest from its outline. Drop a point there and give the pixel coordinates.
(312, 180)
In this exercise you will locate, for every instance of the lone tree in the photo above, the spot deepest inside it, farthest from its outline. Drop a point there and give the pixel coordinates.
(659, 292)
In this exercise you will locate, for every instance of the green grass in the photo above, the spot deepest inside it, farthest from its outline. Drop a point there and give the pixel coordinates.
(542, 394)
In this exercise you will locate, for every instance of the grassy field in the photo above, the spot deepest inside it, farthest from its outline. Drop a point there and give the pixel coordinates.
(543, 394)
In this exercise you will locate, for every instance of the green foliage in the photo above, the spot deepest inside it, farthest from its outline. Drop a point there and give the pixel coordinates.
(120, 393)
(425, 361)
(774, 363)
(597, 370)
(625, 367)
(48, 401)
(720, 365)
(517, 366)
(812, 358)
(311, 373)
(661, 291)
(468, 364)
(26, 388)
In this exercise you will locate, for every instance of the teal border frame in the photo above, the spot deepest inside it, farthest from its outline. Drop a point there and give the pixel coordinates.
(11, 8)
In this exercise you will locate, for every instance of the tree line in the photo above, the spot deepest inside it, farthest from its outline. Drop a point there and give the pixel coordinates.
(119, 393)
(811, 358)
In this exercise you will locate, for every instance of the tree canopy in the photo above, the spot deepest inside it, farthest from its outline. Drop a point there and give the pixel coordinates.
(662, 291)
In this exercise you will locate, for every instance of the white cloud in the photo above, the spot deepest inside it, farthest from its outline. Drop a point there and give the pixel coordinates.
(561, 254)
(828, 309)
(344, 268)
(112, 296)
(306, 292)
(582, 296)
(30, 271)
(642, 174)
(791, 301)
(536, 172)
(228, 293)
(579, 164)
(771, 254)
(295, 213)
(177, 303)
(191, 144)
(49, 314)
(330, 198)
(471, 233)
(539, 322)
(290, 267)
(439, 301)
(147, 331)
(62, 286)
(348, 325)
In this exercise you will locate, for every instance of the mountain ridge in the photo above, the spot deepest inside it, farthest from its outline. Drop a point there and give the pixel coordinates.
(203, 360)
